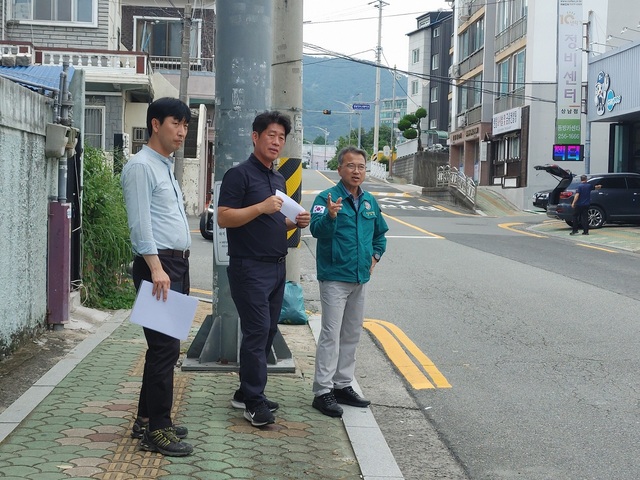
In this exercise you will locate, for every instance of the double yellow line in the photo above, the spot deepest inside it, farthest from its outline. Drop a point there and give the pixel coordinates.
(398, 348)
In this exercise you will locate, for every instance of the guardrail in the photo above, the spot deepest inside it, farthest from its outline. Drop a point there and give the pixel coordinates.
(451, 177)
(378, 170)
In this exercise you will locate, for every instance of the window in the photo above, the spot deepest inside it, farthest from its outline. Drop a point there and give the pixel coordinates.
(140, 137)
(433, 123)
(94, 126)
(414, 87)
(163, 37)
(68, 11)
(503, 77)
(435, 61)
(436, 32)
(509, 12)
(472, 39)
(518, 66)
(415, 55)
(434, 94)
(613, 182)
(511, 73)
(470, 94)
(508, 149)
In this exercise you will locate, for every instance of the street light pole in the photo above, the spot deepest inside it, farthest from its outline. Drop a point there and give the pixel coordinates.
(326, 137)
(350, 107)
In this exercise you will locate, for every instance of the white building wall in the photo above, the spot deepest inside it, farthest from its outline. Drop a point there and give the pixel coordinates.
(25, 184)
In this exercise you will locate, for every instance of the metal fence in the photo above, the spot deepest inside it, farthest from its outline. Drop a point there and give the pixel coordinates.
(451, 177)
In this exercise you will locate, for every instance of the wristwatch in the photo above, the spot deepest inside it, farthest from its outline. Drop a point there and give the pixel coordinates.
(377, 256)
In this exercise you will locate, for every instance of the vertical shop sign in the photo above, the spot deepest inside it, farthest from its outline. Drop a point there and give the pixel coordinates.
(569, 76)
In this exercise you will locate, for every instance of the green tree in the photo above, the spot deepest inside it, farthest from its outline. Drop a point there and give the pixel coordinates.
(409, 125)
(106, 244)
(366, 142)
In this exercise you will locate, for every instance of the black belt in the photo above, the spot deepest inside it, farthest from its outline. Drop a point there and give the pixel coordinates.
(268, 259)
(174, 253)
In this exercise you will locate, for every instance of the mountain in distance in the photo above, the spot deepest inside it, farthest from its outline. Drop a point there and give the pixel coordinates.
(326, 81)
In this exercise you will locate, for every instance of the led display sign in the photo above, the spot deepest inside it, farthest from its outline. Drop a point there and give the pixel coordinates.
(568, 153)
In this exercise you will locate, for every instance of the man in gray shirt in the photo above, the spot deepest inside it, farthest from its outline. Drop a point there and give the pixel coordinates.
(160, 239)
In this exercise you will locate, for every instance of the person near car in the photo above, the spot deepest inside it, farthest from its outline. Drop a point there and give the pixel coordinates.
(350, 231)
(249, 209)
(580, 204)
(160, 240)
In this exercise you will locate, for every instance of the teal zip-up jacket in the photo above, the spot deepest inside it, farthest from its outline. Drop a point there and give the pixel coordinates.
(347, 243)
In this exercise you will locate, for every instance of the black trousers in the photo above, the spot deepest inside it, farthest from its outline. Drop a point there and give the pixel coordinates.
(581, 216)
(257, 289)
(163, 351)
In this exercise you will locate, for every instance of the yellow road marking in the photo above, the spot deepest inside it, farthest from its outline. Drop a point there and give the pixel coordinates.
(400, 359)
(596, 248)
(395, 342)
(507, 226)
(411, 226)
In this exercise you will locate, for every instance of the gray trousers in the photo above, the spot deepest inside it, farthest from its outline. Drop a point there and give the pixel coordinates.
(342, 317)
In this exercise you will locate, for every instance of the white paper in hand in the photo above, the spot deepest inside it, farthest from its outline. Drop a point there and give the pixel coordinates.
(173, 317)
(290, 208)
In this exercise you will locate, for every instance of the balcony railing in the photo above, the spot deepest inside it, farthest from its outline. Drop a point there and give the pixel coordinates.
(173, 63)
(124, 62)
(511, 100)
(472, 61)
(513, 32)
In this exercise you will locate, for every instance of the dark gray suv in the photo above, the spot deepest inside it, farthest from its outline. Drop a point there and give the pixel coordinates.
(616, 201)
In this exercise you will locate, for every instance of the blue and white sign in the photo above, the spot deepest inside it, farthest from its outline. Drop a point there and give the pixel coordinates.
(361, 106)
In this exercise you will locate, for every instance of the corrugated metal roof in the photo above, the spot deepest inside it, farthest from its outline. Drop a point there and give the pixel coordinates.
(37, 77)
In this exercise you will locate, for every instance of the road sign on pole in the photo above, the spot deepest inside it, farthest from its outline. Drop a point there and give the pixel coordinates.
(361, 106)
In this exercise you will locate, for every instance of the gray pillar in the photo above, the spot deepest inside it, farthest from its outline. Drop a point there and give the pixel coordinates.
(243, 58)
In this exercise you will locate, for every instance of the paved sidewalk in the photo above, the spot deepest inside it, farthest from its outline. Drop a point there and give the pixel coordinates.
(75, 422)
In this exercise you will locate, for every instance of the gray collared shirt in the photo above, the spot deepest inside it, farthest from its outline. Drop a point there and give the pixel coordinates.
(155, 209)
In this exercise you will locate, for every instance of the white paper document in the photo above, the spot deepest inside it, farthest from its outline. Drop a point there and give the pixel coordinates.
(290, 208)
(173, 317)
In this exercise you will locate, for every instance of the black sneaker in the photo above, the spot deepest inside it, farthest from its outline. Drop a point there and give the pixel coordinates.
(165, 441)
(260, 415)
(585, 233)
(573, 233)
(327, 405)
(139, 428)
(238, 402)
(348, 396)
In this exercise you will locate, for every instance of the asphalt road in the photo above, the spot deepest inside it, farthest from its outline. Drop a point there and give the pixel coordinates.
(538, 338)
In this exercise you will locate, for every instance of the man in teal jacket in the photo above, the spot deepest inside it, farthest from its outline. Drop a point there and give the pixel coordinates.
(350, 229)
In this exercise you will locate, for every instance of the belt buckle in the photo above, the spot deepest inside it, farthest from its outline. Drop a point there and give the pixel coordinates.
(281, 260)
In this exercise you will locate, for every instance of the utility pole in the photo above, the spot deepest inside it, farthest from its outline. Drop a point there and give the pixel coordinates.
(184, 83)
(243, 59)
(376, 120)
(286, 96)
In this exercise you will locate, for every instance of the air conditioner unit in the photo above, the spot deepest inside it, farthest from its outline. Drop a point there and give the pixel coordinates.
(462, 121)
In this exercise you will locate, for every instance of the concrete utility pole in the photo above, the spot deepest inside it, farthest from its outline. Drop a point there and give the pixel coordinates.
(286, 96)
(243, 59)
(393, 118)
(184, 83)
(376, 120)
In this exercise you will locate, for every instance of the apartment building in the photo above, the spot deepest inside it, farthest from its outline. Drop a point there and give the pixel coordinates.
(521, 95)
(428, 81)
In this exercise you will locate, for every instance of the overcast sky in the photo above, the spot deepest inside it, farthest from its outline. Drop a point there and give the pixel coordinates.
(350, 27)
